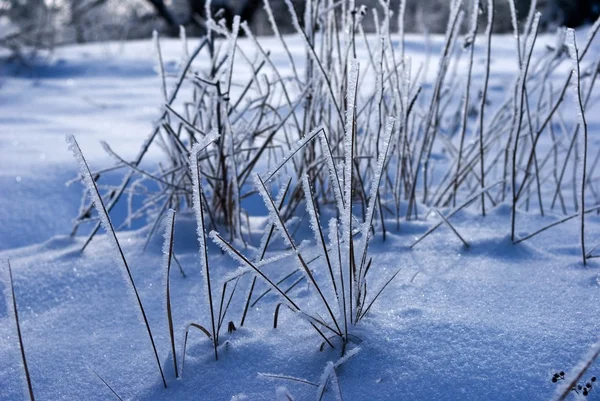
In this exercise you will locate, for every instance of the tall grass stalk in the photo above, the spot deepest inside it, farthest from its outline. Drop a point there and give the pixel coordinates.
(168, 256)
(13, 301)
(112, 237)
(574, 52)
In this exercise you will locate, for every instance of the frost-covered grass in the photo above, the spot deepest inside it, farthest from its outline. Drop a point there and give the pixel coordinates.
(328, 166)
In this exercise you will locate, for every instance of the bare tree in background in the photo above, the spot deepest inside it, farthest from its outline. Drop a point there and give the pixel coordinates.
(29, 25)
(28, 28)
(164, 12)
(571, 13)
(223, 9)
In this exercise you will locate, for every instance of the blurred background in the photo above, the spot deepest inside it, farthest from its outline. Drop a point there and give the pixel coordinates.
(49, 23)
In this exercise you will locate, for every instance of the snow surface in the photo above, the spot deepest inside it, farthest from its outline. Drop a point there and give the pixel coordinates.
(489, 322)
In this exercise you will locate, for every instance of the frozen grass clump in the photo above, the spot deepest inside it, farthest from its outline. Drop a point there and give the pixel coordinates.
(356, 137)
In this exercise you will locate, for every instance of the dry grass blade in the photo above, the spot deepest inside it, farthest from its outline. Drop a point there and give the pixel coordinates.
(295, 149)
(583, 124)
(13, 301)
(108, 386)
(168, 256)
(466, 244)
(276, 315)
(556, 223)
(187, 332)
(456, 210)
(201, 232)
(112, 237)
(318, 231)
(289, 378)
(378, 294)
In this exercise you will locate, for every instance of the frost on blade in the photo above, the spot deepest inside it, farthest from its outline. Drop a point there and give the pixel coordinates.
(270, 16)
(267, 234)
(386, 16)
(454, 11)
(208, 9)
(513, 19)
(308, 18)
(573, 54)
(401, 13)
(349, 147)
(201, 232)
(95, 196)
(214, 236)
(273, 214)
(293, 16)
(293, 151)
(168, 243)
(334, 244)
(328, 372)
(349, 354)
(241, 271)
(534, 29)
(379, 70)
(334, 176)
(206, 141)
(275, 28)
(312, 213)
(235, 29)
(374, 190)
(530, 14)
(197, 190)
(234, 184)
(185, 55)
(159, 62)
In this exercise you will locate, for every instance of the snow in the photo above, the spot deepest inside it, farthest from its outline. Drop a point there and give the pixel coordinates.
(490, 322)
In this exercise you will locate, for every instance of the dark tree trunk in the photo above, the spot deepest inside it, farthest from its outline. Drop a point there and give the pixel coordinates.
(164, 12)
(249, 9)
(223, 9)
(582, 12)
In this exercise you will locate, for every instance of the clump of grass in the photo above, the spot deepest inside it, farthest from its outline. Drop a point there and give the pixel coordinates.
(258, 117)
(366, 142)
(345, 257)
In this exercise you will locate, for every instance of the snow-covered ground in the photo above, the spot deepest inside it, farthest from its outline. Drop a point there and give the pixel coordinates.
(490, 322)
